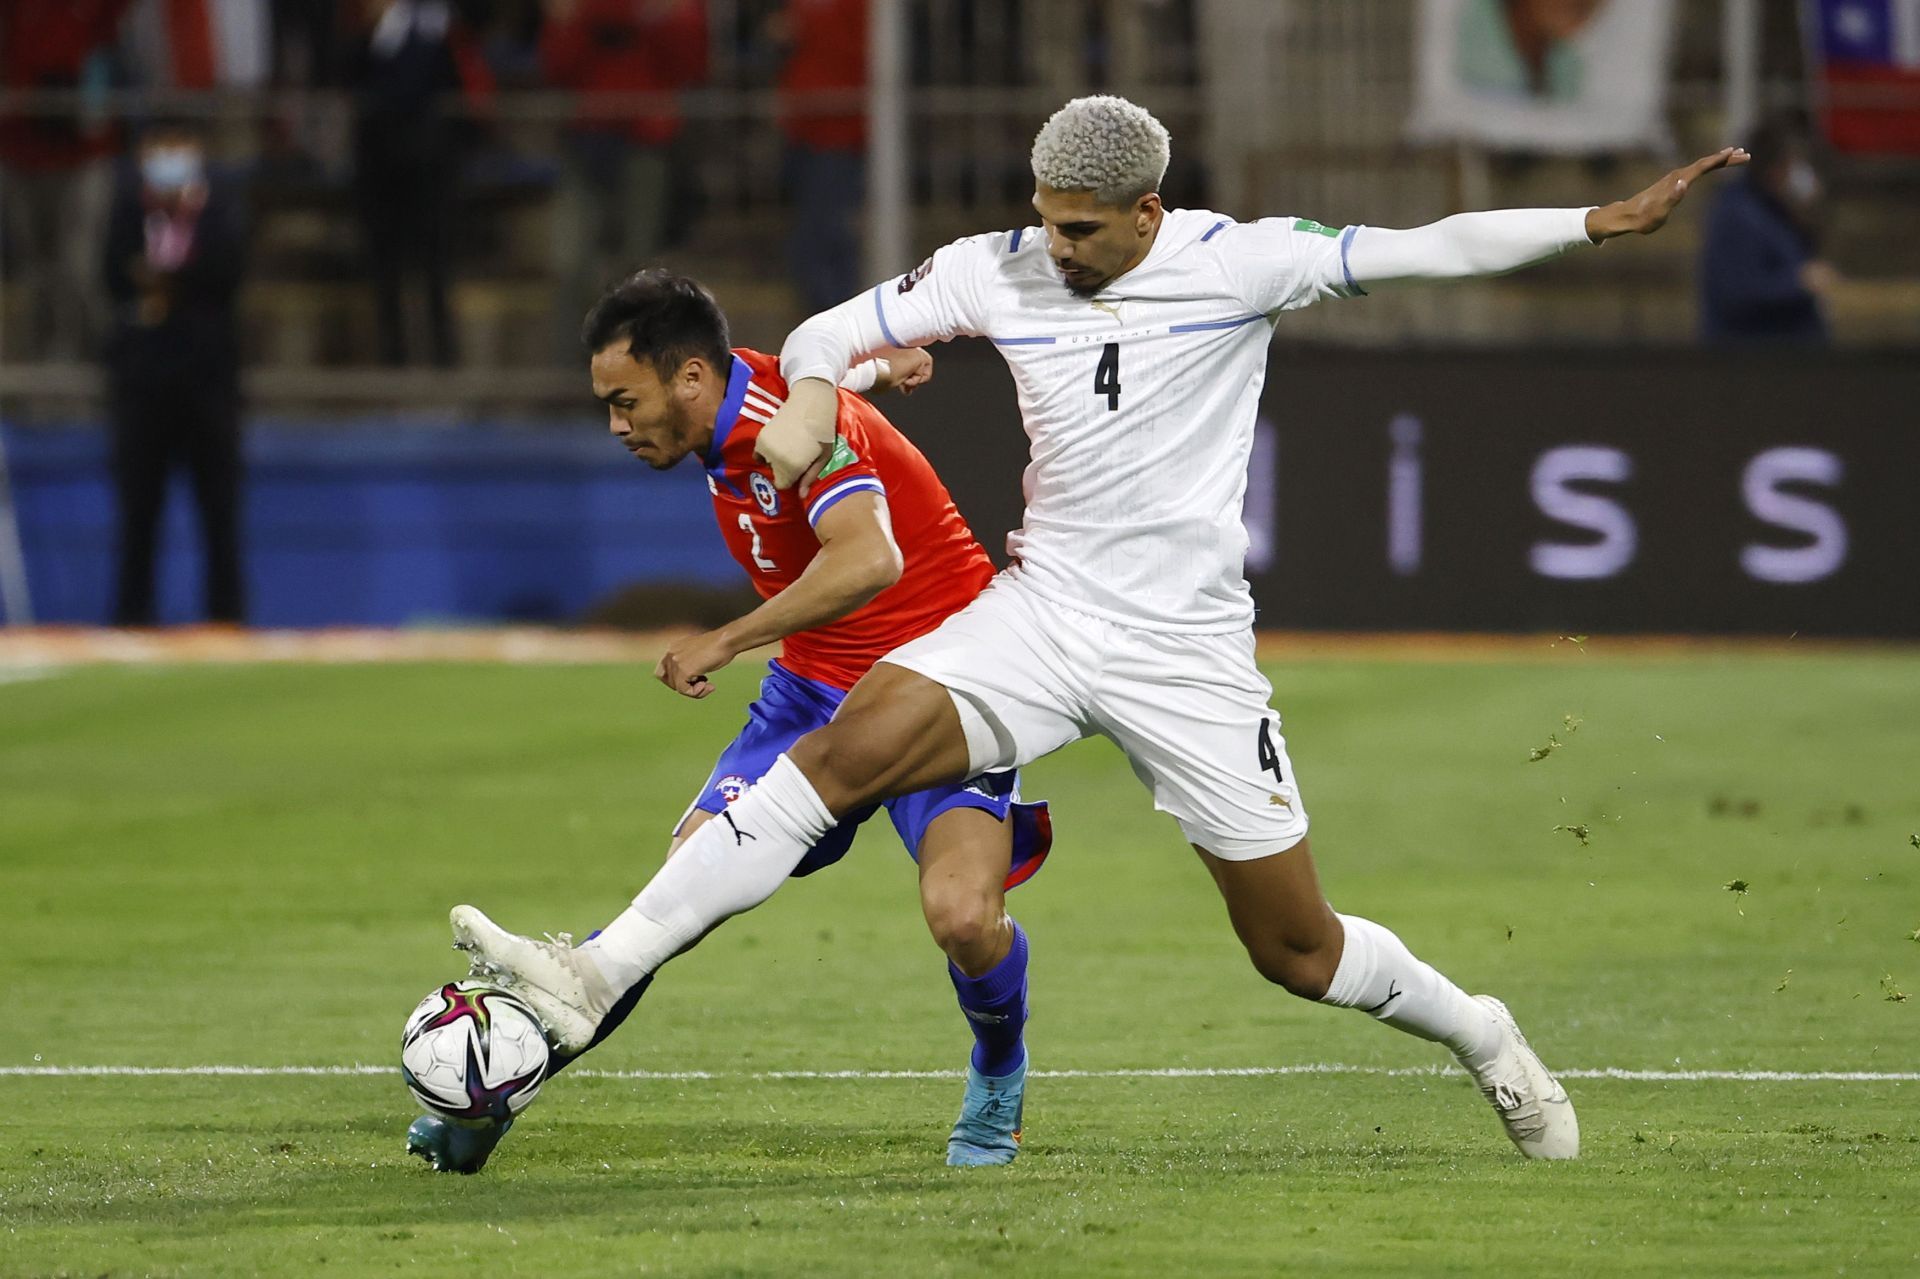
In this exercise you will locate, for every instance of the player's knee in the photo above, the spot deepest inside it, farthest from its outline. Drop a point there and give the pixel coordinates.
(963, 921)
(957, 923)
(840, 757)
(1304, 971)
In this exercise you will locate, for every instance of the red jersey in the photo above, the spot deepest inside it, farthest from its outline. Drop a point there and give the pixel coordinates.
(770, 531)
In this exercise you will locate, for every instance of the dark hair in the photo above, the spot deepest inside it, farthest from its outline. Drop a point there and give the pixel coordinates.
(664, 318)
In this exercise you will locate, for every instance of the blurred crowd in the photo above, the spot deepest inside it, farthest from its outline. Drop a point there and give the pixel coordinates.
(127, 239)
(144, 142)
(420, 75)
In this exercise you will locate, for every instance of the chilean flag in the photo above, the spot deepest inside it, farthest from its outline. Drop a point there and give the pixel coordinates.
(1868, 56)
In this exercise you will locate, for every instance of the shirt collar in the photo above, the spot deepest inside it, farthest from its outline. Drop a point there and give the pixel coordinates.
(729, 413)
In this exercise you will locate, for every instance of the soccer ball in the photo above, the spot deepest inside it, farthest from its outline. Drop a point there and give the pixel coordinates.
(472, 1053)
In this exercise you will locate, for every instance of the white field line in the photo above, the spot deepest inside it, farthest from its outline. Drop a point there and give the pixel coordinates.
(28, 674)
(1166, 1072)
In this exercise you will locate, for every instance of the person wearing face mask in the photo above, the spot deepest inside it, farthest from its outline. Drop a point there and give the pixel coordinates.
(174, 259)
(1762, 278)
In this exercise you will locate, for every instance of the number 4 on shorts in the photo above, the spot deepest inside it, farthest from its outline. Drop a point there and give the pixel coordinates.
(1269, 757)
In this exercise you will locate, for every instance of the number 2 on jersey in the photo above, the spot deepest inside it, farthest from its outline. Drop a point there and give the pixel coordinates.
(1106, 375)
(746, 522)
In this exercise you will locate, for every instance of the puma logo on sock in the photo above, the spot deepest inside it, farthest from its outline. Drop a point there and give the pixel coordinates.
(739, 835)
(1393, 993)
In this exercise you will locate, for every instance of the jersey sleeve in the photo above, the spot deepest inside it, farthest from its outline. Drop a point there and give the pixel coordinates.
(1464, 246)
(1283, 264)
(850, 469)
(939, 299)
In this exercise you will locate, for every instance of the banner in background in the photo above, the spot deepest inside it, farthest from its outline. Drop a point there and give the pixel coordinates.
(1506, 490)
(1562, 76)
(1866, 57)
(1564, 492)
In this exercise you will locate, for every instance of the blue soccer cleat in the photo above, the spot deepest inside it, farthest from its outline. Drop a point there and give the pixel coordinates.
(988, 1131)
(450, 1147)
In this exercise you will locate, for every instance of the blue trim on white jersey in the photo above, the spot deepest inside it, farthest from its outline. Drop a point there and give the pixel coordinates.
(1215, 324)
(881, 311)
(1013, 245)
(846, 488)
(1346, 243)
(1215, 229)
(1023, 341)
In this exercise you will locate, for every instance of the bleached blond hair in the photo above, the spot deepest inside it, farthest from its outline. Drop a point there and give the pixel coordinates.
(1105, 145)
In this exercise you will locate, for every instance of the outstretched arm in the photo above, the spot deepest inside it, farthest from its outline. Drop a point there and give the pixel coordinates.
(1470, 245)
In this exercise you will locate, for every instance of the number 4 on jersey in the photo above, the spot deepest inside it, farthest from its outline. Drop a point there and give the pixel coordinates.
(1106, 375)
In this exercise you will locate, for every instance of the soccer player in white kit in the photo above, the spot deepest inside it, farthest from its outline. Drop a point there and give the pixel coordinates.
(1137, 340)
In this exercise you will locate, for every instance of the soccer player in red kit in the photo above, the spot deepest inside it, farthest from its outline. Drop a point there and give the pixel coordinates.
(866, 555)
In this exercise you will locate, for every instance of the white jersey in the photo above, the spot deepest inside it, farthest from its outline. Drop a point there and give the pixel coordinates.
(1139, 402)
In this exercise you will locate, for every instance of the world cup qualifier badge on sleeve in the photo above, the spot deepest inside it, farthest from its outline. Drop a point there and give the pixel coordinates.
(914, 276)
(842, 457)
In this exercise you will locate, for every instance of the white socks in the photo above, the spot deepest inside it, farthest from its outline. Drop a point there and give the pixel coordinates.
(731, 864)
(1380, 976)
(737, 860)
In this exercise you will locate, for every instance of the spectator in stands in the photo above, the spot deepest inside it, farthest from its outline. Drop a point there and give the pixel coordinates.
(823, 115)
(175, 250)
(617, 182)
(56, 176)
(1761, 275)
(407, 154)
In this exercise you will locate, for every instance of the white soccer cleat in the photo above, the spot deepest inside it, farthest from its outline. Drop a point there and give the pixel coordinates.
(562, 985)
(1532, 1105)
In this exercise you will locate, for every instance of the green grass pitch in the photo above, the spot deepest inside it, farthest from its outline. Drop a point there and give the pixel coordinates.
(252, 865)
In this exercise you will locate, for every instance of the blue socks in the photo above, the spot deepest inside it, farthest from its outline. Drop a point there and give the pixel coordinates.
(996, 1009)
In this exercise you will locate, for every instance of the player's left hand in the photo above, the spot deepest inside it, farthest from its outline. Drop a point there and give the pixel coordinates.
(800, 433)
(1647, 212)
(690, 659)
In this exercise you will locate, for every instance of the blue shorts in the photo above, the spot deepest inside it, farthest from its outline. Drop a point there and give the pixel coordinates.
(790, 706)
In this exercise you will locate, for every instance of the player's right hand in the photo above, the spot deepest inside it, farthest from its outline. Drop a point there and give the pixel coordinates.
(691, 658)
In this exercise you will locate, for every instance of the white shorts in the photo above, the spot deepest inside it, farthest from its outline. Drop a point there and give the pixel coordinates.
(1189, 711)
